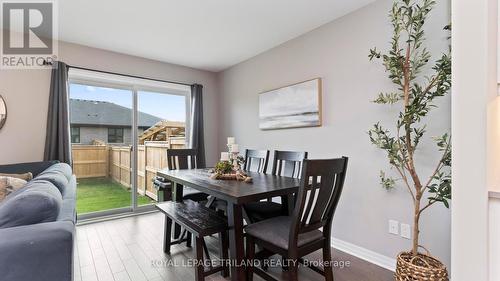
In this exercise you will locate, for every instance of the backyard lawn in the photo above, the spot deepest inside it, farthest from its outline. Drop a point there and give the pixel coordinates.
(98, 194)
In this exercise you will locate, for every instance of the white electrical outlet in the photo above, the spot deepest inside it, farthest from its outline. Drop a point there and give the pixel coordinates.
(405, 231)
(394, 227)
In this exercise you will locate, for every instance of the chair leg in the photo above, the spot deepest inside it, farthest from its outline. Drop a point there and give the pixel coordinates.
(224, 248)
(200, 270)
(167, 238)
(263, 256)
(293, 270)
(250, 257)
(284, 262)
(327, 262)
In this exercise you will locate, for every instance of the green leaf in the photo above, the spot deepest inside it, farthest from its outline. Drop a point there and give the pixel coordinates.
(386, 182)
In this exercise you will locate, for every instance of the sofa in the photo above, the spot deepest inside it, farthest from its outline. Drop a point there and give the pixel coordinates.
(37, 224)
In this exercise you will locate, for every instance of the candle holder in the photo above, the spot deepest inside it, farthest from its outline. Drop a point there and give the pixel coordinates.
(234, 158)
(229, 166)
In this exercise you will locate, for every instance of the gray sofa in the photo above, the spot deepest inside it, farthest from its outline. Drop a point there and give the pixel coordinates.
(37, 224)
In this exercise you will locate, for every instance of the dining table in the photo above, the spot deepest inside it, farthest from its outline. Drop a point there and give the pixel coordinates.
(236, 194)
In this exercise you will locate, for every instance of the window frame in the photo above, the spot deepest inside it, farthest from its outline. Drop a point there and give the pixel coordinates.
(134, 84)
(116, 129)
(79, 135)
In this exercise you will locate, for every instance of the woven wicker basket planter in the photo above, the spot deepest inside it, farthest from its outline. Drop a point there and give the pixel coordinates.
(420, 268)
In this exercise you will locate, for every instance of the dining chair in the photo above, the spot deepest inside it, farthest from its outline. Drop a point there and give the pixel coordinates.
(181, 159)
(298, 235)
(288, 164)
(256, 160)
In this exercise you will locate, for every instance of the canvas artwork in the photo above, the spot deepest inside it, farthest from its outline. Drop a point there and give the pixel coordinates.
(297, 105)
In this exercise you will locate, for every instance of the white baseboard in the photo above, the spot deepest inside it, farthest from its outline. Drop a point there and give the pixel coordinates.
(364, 254)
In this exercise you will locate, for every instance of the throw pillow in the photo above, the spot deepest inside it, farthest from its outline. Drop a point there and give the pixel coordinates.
(26, 176)
(9, 185)
(39, 201)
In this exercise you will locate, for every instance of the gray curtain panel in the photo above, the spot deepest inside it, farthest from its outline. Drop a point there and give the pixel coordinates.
(57, 140)
(196, 139)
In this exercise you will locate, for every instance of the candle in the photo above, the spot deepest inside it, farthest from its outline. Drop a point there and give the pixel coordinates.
(230, 140)
(235, 148)
(224, 156)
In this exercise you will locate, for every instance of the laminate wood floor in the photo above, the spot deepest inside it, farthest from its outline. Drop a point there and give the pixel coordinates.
(130, 249)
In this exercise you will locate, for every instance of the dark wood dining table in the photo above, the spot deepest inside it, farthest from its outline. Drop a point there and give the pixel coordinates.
(235, 193)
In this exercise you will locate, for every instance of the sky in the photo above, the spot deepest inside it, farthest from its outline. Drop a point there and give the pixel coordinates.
(164, 106)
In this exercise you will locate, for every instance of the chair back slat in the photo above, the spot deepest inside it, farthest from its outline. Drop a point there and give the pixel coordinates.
(288, 163)
(326, 196)
(256, 160)
(321, 185)
(181, 159)
(310, 200)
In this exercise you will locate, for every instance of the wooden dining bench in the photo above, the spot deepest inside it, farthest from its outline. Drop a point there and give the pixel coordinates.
(199, 221)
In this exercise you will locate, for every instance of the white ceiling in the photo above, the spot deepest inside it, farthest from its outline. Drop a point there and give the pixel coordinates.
(205, 34)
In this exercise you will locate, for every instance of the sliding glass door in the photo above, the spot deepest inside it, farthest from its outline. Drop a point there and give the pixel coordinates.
(121, 128)
(101, 135)
(167, 113)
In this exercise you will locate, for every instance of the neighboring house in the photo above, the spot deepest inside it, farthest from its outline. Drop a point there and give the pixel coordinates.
(104, 121)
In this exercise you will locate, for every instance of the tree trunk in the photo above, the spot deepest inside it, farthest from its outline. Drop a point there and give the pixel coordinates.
(416, 219)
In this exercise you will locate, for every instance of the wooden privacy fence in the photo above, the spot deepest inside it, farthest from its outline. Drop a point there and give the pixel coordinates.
(90, 161)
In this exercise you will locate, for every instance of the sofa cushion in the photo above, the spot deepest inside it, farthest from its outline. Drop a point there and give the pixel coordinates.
(55, 177)
(61, 168)
(9, 185)
(68, 211)
(70, 190)
(38, 201)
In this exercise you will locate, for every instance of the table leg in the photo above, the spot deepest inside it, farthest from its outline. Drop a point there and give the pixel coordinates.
(288, 202)
(177, 190)
(236, 241)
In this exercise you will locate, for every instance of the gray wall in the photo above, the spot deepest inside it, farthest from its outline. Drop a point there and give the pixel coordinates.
(26, 93)
(337, 52)
(88, 134)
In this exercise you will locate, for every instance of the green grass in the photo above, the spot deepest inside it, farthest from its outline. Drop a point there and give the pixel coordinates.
(99, 194)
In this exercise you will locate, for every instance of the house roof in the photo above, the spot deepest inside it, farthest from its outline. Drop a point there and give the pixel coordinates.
(102, 113)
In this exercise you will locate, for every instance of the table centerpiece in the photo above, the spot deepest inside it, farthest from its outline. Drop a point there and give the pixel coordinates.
(229, 166)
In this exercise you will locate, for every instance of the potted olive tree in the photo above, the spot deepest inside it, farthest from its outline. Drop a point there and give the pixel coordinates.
(405, 62)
